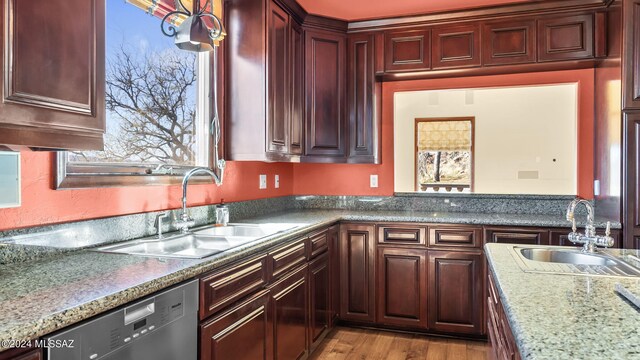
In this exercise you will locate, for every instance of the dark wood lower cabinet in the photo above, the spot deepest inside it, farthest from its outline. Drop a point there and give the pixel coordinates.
(242, 332)
(290, 316)
(21, 354)
(402, 287)
(357, 272)
(456, 294)
(320, 316)
(502, 341)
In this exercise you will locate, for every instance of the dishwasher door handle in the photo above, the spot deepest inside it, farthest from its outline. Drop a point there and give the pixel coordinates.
(139, 311)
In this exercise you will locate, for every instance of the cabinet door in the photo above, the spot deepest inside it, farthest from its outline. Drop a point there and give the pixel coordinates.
(529, 236)
(456, 46)
(243, 332)
(334, 270)
(402, 287)
(407, 50)
(631, 55)
(296, 127)
(364, 96)
(357, 272)
(456, 296)
(565, 38)
(290, 316)
(509, 42)
(278, 62)
(325, 87)
(631, 180)
(53, 74)
(320, 299)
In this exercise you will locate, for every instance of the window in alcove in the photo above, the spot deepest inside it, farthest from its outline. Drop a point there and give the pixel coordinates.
(444, 154)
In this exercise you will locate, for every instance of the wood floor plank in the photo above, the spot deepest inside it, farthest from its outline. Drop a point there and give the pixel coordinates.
(365, 344)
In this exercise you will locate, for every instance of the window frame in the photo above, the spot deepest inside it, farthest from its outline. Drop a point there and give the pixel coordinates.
(99, 175)
(471, 119)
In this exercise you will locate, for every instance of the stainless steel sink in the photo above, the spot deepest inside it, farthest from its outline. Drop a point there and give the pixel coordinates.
(565, 257)
(243, 230)
(571, 261)
(201, 243)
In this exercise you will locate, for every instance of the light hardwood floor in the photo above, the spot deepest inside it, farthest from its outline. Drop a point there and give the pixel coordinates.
(351, 343)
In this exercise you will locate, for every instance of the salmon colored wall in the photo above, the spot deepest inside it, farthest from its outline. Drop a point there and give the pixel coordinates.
(340, 179)
(42, 205)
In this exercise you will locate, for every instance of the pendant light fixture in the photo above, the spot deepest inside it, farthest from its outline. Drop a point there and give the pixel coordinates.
(199, 32)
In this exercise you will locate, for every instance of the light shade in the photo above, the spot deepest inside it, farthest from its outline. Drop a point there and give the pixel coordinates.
(193, 35)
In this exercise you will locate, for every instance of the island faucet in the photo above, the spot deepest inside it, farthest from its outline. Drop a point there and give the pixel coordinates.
(185, 221)
(589, 238)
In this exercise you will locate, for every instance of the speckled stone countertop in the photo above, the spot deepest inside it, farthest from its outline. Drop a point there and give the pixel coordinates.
(555, 316)
(40, 297)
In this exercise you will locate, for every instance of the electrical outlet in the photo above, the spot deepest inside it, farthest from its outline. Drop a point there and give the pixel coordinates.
(373, 181)
(263, 181)
(277, 182)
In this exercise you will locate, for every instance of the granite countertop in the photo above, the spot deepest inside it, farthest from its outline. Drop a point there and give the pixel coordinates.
(40, 297)
(555, 316)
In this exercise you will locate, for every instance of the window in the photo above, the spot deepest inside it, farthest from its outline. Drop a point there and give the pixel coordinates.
(444, 155)
(157, 108)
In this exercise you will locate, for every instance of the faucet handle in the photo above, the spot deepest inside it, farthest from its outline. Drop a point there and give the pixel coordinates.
(607, 232)
(159, 222)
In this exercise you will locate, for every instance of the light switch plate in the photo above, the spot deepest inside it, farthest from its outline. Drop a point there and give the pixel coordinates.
(9, 179)
(263, 181)
(373, 181)
(277, 182)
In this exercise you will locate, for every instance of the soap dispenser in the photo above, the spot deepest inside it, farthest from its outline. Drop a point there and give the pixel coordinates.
(222, 214)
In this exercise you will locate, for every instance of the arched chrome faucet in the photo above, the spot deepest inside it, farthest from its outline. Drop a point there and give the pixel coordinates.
(589, 238)
(185, 221)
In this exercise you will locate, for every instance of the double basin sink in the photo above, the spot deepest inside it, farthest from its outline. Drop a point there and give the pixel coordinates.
(200, 242)
(575, 262)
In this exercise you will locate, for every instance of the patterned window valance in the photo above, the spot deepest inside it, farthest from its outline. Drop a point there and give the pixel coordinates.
(444, 136)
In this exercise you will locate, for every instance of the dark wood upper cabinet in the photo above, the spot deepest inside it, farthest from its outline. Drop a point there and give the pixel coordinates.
(357, 272)
(509, 42)
(407, 50)
(53, 74)
(242, 332)
(296, 117)
(402, 287)
(565, 38)
(456, 46)
(529, 236)
(364, 98)
(325, 68)
(456, 292)
(279, 91)
(263, 63)
(631, 55)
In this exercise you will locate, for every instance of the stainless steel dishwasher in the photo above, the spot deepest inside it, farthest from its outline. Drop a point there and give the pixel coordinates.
(163, 326)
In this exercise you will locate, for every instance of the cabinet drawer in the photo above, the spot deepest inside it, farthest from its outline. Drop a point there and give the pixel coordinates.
(222, 289)
(560, 237)
(455, 236)
(319, 243)
(287, 258)
(527, 236)
(402, 234)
